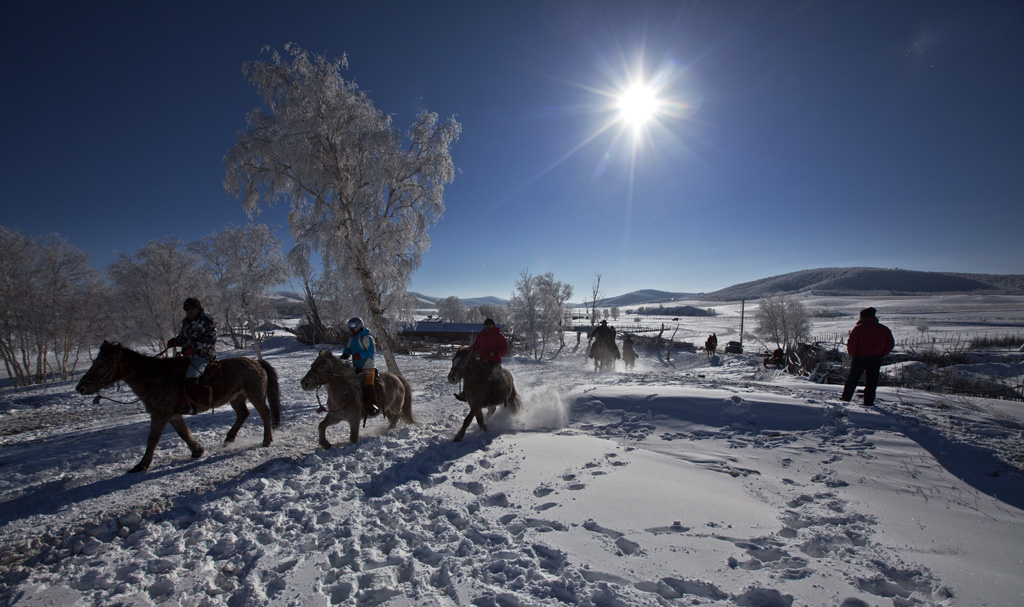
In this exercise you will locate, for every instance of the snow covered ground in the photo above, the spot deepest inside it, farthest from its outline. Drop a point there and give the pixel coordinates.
(689, 482)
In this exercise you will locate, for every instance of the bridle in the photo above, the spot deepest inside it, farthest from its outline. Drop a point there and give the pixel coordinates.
(116, 370)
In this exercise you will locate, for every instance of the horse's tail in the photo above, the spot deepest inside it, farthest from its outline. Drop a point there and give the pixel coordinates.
(513, 403)
(407, 402)
(273, 394)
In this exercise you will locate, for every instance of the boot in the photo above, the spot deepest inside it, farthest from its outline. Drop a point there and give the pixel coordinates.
(197, 393)
(370, 401)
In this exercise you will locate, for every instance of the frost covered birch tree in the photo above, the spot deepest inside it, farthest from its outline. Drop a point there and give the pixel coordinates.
(537, 309)
(48, 298)
(362, 194)
(452, 309)
(782, 321)
(151, 286)
(247, 263)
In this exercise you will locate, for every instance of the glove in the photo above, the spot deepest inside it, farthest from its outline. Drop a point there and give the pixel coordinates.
(490, 354)
(356, 356)
(172, 343)
(188, 352)
(344, 357)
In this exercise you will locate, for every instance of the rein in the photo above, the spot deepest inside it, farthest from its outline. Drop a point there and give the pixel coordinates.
(108, 381)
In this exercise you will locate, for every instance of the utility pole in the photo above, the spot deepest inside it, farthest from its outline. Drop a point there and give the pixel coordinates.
(743, 305)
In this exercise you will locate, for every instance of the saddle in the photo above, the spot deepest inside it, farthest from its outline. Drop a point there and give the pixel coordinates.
(212, 373)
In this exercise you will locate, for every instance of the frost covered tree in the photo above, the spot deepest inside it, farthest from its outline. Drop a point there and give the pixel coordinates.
(495, 312)
(555, 314)
(48, 297)
(782, 321)
(596, 295)
(247, 264)
(151, 286)
(362, 193)
(312, 292)
(537, 309)
(452, 309)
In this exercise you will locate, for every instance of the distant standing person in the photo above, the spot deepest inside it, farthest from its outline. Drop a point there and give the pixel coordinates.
(869, 341)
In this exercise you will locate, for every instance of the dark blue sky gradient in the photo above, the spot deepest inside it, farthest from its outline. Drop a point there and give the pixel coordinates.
(814, 133)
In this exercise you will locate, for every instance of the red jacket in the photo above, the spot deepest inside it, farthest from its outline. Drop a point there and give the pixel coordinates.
(870, 338)
(490, 345)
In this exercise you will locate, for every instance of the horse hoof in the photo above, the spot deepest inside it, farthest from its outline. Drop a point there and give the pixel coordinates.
(197, 454)
(139, 468)
(267, 443)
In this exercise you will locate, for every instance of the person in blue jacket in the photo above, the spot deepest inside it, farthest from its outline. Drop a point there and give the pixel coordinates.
(361, 349)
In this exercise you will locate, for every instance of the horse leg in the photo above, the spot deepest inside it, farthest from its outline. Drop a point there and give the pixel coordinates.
(241, 414)
(490, 411)
(179, 425)
(353, 429)
(479, 413)
(156, 429)
(329, 420)
(259, 401)
(465, 425)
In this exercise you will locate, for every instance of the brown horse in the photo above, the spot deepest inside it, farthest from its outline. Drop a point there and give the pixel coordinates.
(480, 391)
(160, 385)
(345, 395)
(604, 354)
(629, 356)
(710, 346)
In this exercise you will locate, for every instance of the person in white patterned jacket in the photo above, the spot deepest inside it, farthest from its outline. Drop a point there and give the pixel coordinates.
(198, 341)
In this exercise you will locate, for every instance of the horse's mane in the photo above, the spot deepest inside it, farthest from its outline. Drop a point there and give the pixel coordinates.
(138, 357)
(340, 370)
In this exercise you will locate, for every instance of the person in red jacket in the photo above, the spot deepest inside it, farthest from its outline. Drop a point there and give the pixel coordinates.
(490, 345)
(869, 341)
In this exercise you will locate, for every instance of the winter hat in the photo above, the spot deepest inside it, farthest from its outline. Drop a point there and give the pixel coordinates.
(192, 302)
(867, 313)
(489, 322)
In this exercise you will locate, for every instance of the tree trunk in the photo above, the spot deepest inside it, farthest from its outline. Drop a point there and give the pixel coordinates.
(385, 341)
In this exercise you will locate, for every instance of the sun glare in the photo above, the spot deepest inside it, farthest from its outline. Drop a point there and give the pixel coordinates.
(637, 105)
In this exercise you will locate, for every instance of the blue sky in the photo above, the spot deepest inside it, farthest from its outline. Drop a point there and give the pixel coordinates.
(792, 135)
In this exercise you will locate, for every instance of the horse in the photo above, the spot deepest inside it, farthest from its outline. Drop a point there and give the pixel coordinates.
(710, 346)
(480, 391)
(160, 385)
(629, 357)
(345, 395)
(604, 355)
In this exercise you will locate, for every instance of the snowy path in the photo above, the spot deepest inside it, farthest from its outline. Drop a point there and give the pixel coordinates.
(656, 487)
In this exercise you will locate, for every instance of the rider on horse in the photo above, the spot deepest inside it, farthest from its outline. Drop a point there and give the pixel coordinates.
(198, 342)
(604, 338)
(361, 349)
(490, 344)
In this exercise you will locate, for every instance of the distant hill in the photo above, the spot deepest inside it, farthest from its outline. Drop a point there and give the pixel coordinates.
(871, 281)
(645, 296)
(426, 301)
(822, 281)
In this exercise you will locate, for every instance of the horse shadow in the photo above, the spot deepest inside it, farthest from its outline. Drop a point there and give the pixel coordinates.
(49, 457)
(426, 466)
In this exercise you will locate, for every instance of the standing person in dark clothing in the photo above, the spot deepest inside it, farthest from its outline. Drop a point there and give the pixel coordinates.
(198, 342)
(869, 341)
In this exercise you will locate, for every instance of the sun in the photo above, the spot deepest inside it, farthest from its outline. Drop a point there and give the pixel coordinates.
(638, 105)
